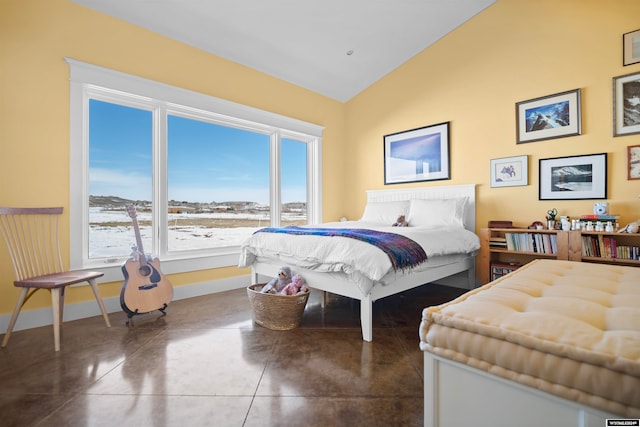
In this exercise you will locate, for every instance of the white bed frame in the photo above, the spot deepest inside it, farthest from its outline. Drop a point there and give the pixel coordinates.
(458, 395)
(337, 283)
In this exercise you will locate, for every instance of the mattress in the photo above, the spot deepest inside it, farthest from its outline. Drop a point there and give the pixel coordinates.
(361, 262)
(567, 328)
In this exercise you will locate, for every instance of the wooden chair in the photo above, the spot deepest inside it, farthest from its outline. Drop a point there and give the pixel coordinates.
(31, 235)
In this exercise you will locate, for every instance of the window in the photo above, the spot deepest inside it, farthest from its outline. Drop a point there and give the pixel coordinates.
(203, 173)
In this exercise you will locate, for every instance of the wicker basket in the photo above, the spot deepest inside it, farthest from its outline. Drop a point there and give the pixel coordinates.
(277, 312)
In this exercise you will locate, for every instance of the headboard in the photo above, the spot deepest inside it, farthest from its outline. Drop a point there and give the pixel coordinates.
(438, 193)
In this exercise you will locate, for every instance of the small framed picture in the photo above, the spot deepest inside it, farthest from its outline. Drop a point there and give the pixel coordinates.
(631, 47)
(633, 162)
(417, 155)
(548, 117)
(573, 178)
(509, 171)
(626, 104)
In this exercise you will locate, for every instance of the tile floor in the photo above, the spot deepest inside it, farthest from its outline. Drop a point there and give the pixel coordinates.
(207, 364)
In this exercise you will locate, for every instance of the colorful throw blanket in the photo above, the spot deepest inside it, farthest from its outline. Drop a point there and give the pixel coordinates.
(403, 252)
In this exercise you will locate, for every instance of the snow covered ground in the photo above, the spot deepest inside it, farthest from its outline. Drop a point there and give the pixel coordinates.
(116, 241)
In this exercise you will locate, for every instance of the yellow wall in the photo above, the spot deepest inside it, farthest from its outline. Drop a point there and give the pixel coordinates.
(511, 52)
(36, 36)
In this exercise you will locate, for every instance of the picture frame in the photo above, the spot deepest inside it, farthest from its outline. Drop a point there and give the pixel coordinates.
(420, 154)
(631, 47)
(633, 162)
(573, 178)
(626, 104)
(549, 117)
(510, 171)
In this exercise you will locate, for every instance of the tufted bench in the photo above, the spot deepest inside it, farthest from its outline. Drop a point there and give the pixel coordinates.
(567, 328)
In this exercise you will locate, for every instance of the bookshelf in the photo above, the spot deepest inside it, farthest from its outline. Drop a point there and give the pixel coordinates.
(612, 248)
(503, 250)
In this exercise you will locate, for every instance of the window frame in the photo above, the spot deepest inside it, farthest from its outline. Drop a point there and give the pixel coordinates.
(88, 81)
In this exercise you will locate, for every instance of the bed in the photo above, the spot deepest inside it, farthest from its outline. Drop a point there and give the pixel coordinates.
(363, 272)
(553, 343)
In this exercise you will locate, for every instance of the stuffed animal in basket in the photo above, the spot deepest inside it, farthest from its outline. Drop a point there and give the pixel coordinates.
(297, 286)
(277, 284)
(401, 222)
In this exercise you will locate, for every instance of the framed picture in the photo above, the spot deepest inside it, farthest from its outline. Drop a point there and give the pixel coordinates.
(417, 155)
(572, 178)
(553, 116)
(633, 162)
(509, 171)
(626, 104)
(631, 47)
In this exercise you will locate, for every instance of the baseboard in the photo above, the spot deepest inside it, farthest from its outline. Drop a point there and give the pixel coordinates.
(42, 317)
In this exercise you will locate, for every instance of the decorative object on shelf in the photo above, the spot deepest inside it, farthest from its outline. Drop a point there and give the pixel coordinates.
(551, 218)
(631, 47)
(573, 178)
(500, 224)
(417, 155)
(536, 225)
(633, 162)
(510, 171)
(626, 104)
(632, 227)
(601, 208)
(547, 117)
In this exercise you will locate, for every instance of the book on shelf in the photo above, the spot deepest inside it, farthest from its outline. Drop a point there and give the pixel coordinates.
(543, 243)
(498, 242)
(607, 247)
(596, 217)
(499, 269)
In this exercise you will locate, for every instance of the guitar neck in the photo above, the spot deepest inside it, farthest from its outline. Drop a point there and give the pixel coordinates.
(136, 228)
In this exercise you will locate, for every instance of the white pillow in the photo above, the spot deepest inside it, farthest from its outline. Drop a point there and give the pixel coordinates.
(437, 213)
(386, 213)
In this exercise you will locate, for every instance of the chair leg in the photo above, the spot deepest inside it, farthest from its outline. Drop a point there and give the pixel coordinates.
(94, 287)
(57, 301)
(14, 316)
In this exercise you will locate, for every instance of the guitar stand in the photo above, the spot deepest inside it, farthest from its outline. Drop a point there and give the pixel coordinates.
(130, 314)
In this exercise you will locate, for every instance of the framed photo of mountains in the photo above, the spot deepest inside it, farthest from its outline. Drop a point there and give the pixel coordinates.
(548, 117)
(573, 178)
(626, 104)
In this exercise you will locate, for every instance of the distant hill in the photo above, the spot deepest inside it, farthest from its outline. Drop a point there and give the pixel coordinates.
(114, 202)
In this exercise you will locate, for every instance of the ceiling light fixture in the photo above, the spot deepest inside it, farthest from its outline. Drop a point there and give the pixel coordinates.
(350, 52)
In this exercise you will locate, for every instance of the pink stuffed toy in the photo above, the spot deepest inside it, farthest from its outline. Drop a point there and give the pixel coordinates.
(297, 286)
(277, 284)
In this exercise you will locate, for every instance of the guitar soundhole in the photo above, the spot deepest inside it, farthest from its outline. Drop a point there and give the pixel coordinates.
(145, 270)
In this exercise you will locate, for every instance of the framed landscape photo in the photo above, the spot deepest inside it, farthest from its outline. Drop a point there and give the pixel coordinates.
(509, 171)
(548, 117)
(631, 47)
(417, 155)
(626, 104)
(573, 178)
(633, 162)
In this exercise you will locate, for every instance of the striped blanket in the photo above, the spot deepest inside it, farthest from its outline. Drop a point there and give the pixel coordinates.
(403, 252)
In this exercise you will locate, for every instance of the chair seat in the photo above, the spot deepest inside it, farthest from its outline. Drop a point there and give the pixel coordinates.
(58, 280)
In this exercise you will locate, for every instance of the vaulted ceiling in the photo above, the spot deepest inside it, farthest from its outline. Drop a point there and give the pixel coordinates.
(336, 48)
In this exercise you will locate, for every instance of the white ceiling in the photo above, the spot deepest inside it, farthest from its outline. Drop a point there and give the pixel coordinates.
(304, 42)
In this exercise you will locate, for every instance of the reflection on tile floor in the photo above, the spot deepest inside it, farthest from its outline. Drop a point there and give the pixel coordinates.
(207, 364)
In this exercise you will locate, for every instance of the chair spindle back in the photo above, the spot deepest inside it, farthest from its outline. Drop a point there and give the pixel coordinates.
(31, 236)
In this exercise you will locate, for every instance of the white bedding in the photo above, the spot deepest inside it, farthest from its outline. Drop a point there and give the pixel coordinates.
(362, 262)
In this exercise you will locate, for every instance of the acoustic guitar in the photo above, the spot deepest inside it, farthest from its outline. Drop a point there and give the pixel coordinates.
(145, 288)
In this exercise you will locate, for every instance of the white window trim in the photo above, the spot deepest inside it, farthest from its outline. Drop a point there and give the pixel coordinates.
(84, 77)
